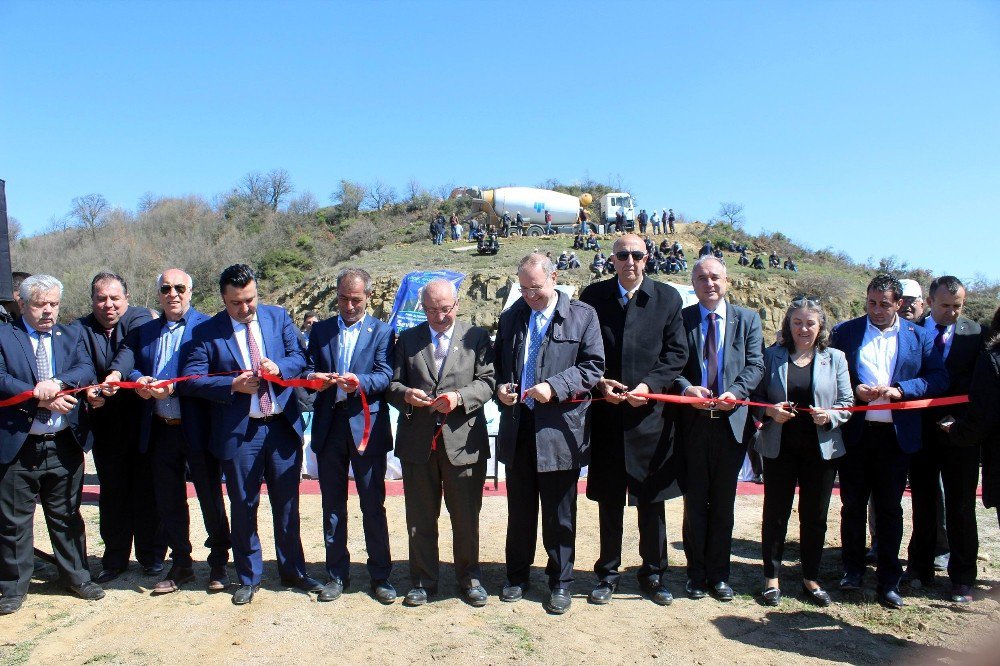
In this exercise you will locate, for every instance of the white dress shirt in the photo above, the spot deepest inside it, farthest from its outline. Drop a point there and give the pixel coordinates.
(876, 361)
(347, 341)
(242, 330)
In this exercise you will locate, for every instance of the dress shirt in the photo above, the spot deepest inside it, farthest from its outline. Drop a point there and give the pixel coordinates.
(949, 333)
(445, 340)
(623, 292)
(56, 421)
(347, 340)
(242, 330)
(166, 365)
(720, 341)
(876, 361)
(543, 320)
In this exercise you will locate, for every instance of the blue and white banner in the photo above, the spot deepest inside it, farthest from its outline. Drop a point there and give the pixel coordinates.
(407, 309)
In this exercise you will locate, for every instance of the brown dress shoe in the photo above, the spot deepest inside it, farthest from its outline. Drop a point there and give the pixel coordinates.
(176, 577)
(218, 579)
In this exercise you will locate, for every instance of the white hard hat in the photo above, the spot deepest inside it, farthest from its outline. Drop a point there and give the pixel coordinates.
(911, 289)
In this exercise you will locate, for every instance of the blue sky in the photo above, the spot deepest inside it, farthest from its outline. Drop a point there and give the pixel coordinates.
(873, 128)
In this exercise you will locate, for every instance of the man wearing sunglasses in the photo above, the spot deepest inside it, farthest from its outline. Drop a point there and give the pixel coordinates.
(172, 432)
(632, 457)
(126, 507)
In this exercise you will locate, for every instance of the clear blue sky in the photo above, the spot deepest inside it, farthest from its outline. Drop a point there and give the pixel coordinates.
(872, 127)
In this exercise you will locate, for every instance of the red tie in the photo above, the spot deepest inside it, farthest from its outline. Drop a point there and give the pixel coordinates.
(263, 394)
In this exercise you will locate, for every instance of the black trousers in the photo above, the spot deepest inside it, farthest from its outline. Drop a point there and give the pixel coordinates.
(462, 488)
(556, 492)
(797, 463)
(958, 468)
(713, 459)
(51, 470)
(652, 540)
(127, 505)
(875, 468)
(171, 459)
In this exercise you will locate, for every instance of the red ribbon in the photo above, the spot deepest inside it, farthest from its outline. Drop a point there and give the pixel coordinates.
(315, 385)
(903, 404)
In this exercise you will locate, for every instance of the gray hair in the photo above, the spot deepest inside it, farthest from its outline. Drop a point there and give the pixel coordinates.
(536, 260)
(188, 279)
(36, 284)
(356, 274)
(440, 282)
(707, 258)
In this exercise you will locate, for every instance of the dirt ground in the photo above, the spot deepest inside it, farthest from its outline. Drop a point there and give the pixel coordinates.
(284, 626)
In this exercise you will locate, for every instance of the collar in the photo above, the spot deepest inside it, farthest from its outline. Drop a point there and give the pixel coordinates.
(237, 324)
(932, 325)
(720, 310)
(343, 326)
(547, 312)
(891, 330)
(622, 291)
(31, 331)
(447, 334)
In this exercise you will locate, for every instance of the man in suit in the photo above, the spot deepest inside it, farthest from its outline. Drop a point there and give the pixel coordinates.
(442, 377)
(549, 355)
(890, 359)
(172, 432)
(960, 341)
(42, 442)
(256, 428)
(352, 353)
(632, 456)
(127, 505)
(725, 361)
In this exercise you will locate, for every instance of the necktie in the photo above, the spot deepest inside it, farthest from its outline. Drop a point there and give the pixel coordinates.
(628, 298)
(939, 338)
(263, 394)
(440, 352)
(44, 373)
(712, 356)
(529, 365)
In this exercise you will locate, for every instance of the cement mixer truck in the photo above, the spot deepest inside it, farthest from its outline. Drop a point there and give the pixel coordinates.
(531, 203)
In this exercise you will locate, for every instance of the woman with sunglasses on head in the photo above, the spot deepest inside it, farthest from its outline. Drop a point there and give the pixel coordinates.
(800, 447)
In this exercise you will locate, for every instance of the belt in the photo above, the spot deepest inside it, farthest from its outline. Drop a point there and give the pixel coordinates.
(45, 437)
(879, 424)
(164, 420)
(340, 405)
(266, 419)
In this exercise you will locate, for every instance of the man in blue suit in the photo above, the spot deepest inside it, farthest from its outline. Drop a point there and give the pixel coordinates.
(172, 430)
(890, 359)
(42, 442)
(351, 353)
(256, 427)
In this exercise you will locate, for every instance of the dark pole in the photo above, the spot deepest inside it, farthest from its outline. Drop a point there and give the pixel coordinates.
(6, 287)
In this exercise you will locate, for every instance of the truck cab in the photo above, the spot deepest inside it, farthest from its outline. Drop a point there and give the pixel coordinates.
(613, 202)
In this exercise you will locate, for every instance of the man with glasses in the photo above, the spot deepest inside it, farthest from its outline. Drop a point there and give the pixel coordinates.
(352, 353)
(172, 432)
(442, 377)
(633, 458)
(549, 355)
(127, 505)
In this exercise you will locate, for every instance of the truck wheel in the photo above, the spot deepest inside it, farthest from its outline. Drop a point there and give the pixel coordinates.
(534, 231)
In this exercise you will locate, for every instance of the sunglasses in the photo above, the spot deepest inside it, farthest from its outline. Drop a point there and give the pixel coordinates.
(636, 255)
(179, 288)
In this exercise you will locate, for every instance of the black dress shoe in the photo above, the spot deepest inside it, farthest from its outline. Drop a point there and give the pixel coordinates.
(771, 596)
(602, 594)
(244, 594)
(383, 591)
(819, 596)
(108, 575)
(90, 591)
(475, 596)
(416, 597)
(890, 599)
(332, 590)
(850, 583)
(152, 569)
(961, 594)
(513, 591)
(871, 557)
(10, 605)
(559, 601)
(722, 591)
(304, 583)
(695, 590)
(654, 588)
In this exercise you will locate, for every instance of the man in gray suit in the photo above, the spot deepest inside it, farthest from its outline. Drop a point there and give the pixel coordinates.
(442, 376)
(725, 360)
(549, 354)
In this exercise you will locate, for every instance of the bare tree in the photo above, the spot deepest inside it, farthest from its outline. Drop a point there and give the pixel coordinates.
(349, 196)
(413, 189)
(732, 211)
(381, 195)
(444, 191)
(89, 212)
(147, 202)
(14, 229)
(279, 186)
(304, 204)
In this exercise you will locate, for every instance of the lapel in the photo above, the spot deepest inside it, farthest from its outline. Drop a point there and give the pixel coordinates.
(782, 360)
(59, 349)
(364, 339)
(457, 335)
(426, 342)
(732, 318)
(904, 345)
(520, 337)
(229, 334)
(25, 342)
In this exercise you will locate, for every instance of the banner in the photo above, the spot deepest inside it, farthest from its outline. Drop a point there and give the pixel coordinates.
(407, 310)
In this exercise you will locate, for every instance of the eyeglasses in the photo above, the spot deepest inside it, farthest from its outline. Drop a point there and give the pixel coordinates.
(445, 310)
(179, 288)
(531, 291)
(623, 255)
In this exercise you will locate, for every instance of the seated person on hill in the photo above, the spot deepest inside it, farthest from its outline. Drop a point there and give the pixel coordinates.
(562, 263)
(592, 243)
(774, 260)
(573, 261)
(758, 262)
(790, 265)
(744, 260)
(578, 242)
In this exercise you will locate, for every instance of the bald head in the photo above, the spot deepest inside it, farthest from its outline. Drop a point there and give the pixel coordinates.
(628, 256)
(174, 286)
(440, 300)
